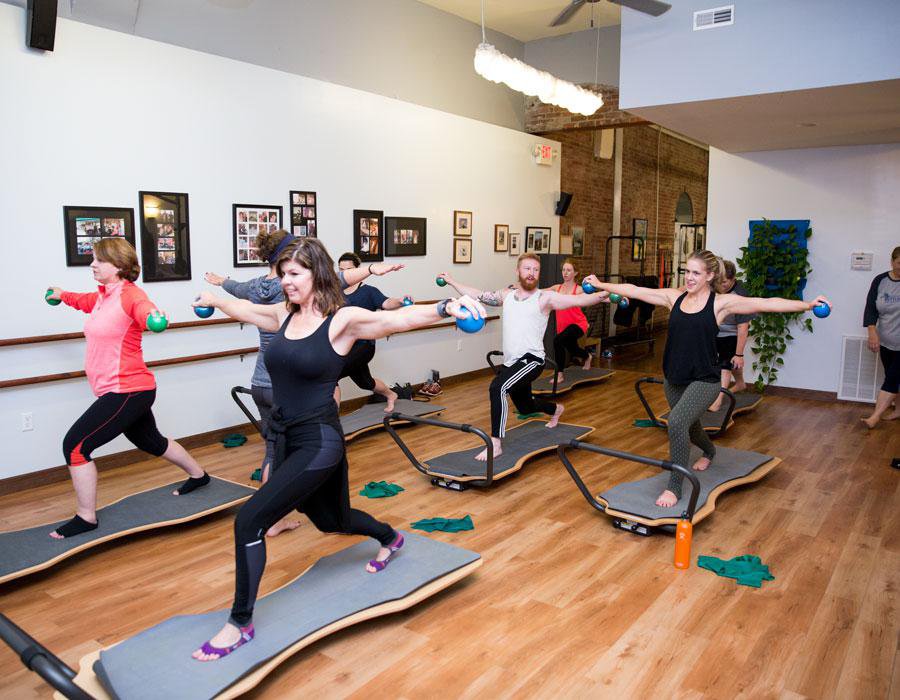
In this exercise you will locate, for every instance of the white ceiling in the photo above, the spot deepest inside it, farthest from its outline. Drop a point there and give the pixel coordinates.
(841, 115)
(527, 20)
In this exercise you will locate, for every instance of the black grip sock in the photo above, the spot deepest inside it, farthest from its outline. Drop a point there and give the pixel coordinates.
(75, 526)
(192, 484)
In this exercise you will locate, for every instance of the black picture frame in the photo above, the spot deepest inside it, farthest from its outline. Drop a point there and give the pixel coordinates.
(535, 233)
(363, 238)
(165, 236)
(404, 228)
(83, 226)
(303, 206)
(247, 224)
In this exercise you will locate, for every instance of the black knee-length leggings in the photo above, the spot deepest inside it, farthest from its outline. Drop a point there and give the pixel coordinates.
(890, 359)
(108, 417)
(314, 452)
(567, 341)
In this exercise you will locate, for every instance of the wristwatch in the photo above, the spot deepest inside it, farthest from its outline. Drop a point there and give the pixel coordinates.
(442, 307)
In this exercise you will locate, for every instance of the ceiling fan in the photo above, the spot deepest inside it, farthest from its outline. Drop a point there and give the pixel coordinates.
(650, 7)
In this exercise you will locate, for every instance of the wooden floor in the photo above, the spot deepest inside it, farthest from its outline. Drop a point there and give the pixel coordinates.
(564, 606)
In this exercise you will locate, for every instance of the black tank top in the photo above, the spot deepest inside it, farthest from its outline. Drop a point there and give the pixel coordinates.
(690, 353)
(304, 371)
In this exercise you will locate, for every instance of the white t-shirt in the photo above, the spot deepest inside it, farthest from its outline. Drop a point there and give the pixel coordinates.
(524, 325)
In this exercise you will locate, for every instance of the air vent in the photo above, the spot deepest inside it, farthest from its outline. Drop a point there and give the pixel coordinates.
(716, 17)
(861, 372)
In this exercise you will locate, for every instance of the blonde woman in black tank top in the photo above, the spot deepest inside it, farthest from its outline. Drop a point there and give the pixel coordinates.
(314, 332)
(690, 362)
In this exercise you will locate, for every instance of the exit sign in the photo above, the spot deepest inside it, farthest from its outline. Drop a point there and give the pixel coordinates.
(543, 154)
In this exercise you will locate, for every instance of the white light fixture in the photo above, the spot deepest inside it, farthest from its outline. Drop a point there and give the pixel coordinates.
(500, 68)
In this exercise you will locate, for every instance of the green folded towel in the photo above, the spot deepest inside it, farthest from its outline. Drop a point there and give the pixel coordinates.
(643, 423)
(380, 489)
(234, 440)
(747, 569)
(526, 416)
(256, 475)
(444, 524)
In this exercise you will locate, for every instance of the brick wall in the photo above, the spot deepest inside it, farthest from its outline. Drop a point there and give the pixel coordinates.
(542, 118)
(682, 167)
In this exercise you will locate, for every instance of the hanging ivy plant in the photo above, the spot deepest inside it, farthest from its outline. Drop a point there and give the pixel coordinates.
(774, 264)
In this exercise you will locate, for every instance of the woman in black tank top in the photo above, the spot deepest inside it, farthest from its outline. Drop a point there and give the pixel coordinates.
(690, 359)
(315, 331)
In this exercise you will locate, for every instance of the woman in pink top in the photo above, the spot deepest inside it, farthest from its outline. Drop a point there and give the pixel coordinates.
(124, 387)
(571, 324)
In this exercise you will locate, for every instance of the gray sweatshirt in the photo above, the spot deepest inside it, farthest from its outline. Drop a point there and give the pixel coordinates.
(258, 291)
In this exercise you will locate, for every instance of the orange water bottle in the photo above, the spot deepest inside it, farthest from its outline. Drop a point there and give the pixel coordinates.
(683, 532)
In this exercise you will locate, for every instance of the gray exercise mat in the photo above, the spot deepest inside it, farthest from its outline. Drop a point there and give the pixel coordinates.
(372, 414)
(519, 442)
(23, 550)
(638, 497)
(157, 662)
(573, 376)
(713, 419)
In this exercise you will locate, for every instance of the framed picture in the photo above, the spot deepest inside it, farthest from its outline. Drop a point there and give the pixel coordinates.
(404, 235)
(368, 234)
(462, 223)
(303, 209)
(515, 244)
(565, 243)
(462, 250)
(537, 239)
(501, 238)
(165, 236)
(250, 220)
(84, 226)
(639, 231)
(577, 240)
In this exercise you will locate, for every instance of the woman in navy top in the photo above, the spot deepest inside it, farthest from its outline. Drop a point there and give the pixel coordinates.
(690, 360)
(314, 331)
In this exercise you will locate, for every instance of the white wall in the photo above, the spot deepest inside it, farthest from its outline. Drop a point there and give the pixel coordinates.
(850, 195)
(107, 114)
(576, 57)
(773, 46)
(398, 48)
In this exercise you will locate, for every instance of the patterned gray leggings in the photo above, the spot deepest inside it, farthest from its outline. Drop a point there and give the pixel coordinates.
(687, 404)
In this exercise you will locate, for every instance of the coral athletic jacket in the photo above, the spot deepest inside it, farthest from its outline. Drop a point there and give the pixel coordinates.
(114, 361)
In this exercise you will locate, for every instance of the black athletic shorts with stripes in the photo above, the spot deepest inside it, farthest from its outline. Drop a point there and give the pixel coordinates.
(108, 417)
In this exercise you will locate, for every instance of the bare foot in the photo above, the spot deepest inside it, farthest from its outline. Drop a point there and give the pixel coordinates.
(498, 450)
(587, 362)
(226, 637)
(715, 406)
(282, 525)
(666, 499)
(870, 422)
(702, 464)
(893, 416)
(560, 377)
(390, 402)
(738, 387)
(554, 419)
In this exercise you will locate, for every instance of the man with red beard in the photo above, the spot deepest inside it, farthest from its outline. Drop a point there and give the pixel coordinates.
(526, 310)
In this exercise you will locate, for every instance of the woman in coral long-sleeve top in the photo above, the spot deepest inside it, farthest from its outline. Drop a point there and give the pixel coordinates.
(124, 387)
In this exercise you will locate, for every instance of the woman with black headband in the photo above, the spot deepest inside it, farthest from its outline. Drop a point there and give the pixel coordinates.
(266, 289)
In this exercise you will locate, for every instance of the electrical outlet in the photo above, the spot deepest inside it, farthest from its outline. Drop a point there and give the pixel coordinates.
(458, 346)
(27, 421)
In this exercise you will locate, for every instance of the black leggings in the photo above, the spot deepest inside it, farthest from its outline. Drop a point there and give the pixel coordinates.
(565, 341)
(891, 361)
(108, 417)
(516, 381)
(314, 452)
(264, 400)
(356, 366)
